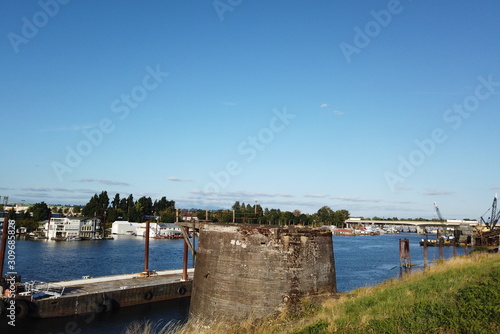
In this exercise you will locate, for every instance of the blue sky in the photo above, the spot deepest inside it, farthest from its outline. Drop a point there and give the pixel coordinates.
(377, 107)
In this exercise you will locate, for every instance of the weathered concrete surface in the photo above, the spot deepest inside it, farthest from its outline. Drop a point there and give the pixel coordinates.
(252, 271)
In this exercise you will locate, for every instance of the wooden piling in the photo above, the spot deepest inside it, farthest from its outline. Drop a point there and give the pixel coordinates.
(425, 252)
(404, 253)
(3, 245)
(146, 250)
(441, 248)
(185, 257)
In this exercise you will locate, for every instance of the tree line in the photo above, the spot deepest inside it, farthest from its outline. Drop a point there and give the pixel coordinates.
(127, 208)
(255, 214)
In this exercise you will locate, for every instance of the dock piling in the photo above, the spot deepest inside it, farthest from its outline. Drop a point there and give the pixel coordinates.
(185, 258)
(3, 245)
(146, 250)
(425, 252)
(404, 253)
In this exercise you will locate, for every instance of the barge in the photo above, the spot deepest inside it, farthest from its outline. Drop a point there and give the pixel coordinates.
(94, 295)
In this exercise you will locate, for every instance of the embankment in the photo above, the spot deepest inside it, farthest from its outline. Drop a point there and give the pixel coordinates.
(461, 295)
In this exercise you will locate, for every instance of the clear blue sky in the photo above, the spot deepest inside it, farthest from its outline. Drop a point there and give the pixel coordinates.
(377, 107)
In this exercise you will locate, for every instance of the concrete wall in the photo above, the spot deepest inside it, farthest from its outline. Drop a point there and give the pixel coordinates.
(252, 271)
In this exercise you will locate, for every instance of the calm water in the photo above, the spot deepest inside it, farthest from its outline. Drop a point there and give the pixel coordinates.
(360, 261)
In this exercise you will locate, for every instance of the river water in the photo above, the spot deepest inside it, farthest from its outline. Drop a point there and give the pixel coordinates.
(359, 261)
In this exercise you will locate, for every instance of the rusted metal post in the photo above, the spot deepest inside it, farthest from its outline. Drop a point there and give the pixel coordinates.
(104, 225)
(454, 247)
(194, 239)
(185, 258)
(425, 252)
(441, 248)
(146, 250)
(4, 244)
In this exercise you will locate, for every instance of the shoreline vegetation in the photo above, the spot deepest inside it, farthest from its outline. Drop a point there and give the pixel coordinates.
(460, 295)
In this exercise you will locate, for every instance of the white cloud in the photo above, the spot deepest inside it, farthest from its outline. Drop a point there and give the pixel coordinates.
(316, 195)
(177, 179)
(432, 192)
(106, 182)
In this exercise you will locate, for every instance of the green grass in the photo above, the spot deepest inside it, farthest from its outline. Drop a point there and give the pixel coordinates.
(461, 295)
(458, 296)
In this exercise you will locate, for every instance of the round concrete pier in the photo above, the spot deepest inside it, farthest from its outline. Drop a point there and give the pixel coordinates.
(252, 271)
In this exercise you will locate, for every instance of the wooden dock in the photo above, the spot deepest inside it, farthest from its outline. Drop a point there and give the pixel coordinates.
(100, 294)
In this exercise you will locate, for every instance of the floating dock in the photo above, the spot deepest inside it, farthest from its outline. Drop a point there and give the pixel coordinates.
(99, 294)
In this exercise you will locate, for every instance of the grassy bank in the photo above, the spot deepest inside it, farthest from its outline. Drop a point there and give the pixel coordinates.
(461, 295)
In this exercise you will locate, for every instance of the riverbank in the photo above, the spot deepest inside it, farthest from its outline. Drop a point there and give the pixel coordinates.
(451, 296)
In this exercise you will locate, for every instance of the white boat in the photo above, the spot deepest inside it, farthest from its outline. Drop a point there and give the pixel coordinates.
(73, 239)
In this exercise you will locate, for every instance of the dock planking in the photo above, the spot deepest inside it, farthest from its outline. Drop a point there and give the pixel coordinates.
(101, 294)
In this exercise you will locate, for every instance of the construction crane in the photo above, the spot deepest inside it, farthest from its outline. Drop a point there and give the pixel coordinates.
(494, 216)
(438, 213)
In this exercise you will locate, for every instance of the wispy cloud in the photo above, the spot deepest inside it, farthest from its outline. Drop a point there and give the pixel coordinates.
(402, 188)
(70, 128)
(335, 112)
(356, 199)
(79, 190)
(36, 189)
(316, 195)
(432, 192)
(240, 195)
(178, 179)
(106, 182)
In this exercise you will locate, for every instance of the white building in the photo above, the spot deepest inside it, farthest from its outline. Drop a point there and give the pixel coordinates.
(171, 230)
(67, 227)
(124, 227)
(159, 230)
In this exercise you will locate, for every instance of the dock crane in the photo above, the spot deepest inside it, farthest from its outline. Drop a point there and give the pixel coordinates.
(494, 216)
(491, 238)
(438, 212)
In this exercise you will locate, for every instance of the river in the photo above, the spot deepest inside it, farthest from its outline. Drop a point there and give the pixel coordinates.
(359, 261)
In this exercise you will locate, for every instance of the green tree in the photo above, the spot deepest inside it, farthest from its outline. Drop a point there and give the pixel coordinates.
(287, 218)
(116, 201)
(326, 216)
(40, 211)
(340, 216)
(123, 205)
(77, 209)
(146, 205)
(163, 204)
(168, 215)
(236, 206)
(130, 205)
(11, 214)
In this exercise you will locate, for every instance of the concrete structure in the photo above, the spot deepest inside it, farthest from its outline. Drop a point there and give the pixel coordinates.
(420, 225)
(124, 227)
(247, 271)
